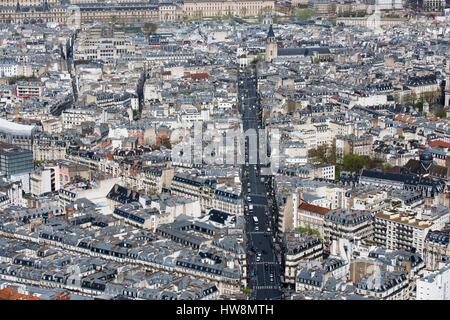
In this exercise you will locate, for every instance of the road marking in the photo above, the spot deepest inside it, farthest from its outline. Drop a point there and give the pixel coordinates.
(265, 287)
(258, 232)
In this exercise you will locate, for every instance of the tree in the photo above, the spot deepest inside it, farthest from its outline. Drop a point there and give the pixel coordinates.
(413, 98)
(304, 14)
(243, 11)
(260, 16)
(318, 154)
(164, 141)
(247, 290)
(309, 231)
(291, 106)
(419, 105)
(407, 99)
(114, 20)
(37, 163)
(324, 154)
(354, 163)
(135, 114)
(149, 28)
(440, 112)
(337, 172)
(386, 166)
(432, 96)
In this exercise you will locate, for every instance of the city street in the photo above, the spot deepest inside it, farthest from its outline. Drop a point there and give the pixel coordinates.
(264, 269)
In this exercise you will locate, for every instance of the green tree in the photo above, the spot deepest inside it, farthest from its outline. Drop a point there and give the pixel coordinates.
(149, 28)
(337, 172)
(440, 112)
(37, 163)
(135, 114)
(291, 106)
(309, 231)
(323, 154)
(164, 141)
(318, 154)
(419, 105)
(304, 14)
(354, 163)
(246, 290)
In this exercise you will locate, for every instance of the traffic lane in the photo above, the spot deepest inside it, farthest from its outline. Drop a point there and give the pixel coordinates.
(268, 294)
(263, 248)
(258, 240)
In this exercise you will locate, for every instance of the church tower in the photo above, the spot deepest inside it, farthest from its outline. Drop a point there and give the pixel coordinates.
(271, 46)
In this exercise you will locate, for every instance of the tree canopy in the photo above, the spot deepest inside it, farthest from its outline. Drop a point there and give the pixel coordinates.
(354, 163)
(324, 154)
(304, 13)
(149, 28)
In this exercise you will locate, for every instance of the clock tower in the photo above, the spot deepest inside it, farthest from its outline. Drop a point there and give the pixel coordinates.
(271, 46)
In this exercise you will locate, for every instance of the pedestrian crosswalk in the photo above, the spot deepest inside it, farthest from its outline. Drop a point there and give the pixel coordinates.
(265, 287)
(257, 232)
(267, 262)
(259, 205)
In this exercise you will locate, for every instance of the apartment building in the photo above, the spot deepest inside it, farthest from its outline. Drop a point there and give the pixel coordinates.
(44, 180)
(317, 135)
(27, 89)
(352, 225)
(420, 85)
(153, 180)
(8, 68)
(433, 5)
(73, 118)
(435, 286)
(311, 216)
(387, 286)
(69, 171)
(208, 193)
(146, 218)
(436, 248)
(370, 201)
(394, 230)
(298, 248)
(309, 171)
(48, 148)
(11, 192)
(101, 44)
(351, 144)
(314, 275)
